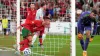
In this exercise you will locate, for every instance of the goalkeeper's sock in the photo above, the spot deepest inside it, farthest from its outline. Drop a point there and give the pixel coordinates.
(86, 44)
(43, 36)
(40, 40)
(92, 36)
(34, 38)
(82, 43)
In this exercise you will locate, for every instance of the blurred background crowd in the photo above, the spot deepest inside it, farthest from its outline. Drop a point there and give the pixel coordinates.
(59, 10)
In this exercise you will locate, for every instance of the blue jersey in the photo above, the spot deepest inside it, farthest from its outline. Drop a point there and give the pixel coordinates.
(84, 14)
(85, 22)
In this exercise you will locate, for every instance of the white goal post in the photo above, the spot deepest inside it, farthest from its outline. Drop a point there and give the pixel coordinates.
(18, 24)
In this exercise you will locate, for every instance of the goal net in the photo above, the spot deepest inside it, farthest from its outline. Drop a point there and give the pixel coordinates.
(7, 27)
(57, 40)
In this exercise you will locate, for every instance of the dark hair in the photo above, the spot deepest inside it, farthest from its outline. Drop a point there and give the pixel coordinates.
(94, 11)
(42, 4)
(45, 17)
(30, 4)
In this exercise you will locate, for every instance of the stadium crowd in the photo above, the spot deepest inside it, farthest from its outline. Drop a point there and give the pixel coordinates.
(59, 10)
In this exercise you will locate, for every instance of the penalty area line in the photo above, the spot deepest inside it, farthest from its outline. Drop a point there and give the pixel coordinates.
(42, 54)
(6, 49)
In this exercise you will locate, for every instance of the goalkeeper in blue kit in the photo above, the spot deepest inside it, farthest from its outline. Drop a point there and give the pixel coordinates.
(88, 24)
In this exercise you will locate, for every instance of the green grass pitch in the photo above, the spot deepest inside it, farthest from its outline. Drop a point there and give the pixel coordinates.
(93, 47)
(54, 45)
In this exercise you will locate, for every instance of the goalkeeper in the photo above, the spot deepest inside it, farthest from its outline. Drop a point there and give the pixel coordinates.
(85, 24)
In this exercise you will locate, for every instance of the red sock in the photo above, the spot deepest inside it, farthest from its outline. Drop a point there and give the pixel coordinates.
(40, 40)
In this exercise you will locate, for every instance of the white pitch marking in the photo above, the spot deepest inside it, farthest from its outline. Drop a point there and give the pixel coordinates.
(42, 54)
(8, 49)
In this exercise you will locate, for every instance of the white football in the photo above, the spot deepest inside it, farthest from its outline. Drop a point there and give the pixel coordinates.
(27, 52)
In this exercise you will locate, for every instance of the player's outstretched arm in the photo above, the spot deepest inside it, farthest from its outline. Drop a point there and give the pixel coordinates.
(19, 27)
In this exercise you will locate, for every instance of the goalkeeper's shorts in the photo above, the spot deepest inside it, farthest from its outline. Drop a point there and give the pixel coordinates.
(25, 33)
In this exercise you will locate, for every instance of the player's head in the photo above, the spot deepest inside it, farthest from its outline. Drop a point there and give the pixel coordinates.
(44, 5)
(93, 14)
(29, 37)
(46, 21)
(31, 5)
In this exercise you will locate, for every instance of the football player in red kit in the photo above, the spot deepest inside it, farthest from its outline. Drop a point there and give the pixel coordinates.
(35, 26)
(25, 46)
(31, 13)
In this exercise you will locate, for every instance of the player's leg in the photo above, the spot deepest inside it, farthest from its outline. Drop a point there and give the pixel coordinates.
(80, 34)
(93, 32)
(26, 34)
(34, 37)
(4, 31)
(82, 43)
(88, 36)
(44, 34)
(91, 39)
(86, 43)
(41, 42)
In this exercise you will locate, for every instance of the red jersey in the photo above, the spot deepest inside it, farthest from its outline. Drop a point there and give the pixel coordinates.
(30, 15)
(34, 26)
(63, 11)
(24, 44)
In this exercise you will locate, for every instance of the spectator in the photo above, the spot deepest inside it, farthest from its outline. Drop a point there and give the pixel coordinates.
(51, 12)
(13, 27)
(5, 24)
(62, 12)
(86, 6)
(57, 10)
(40, 12)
